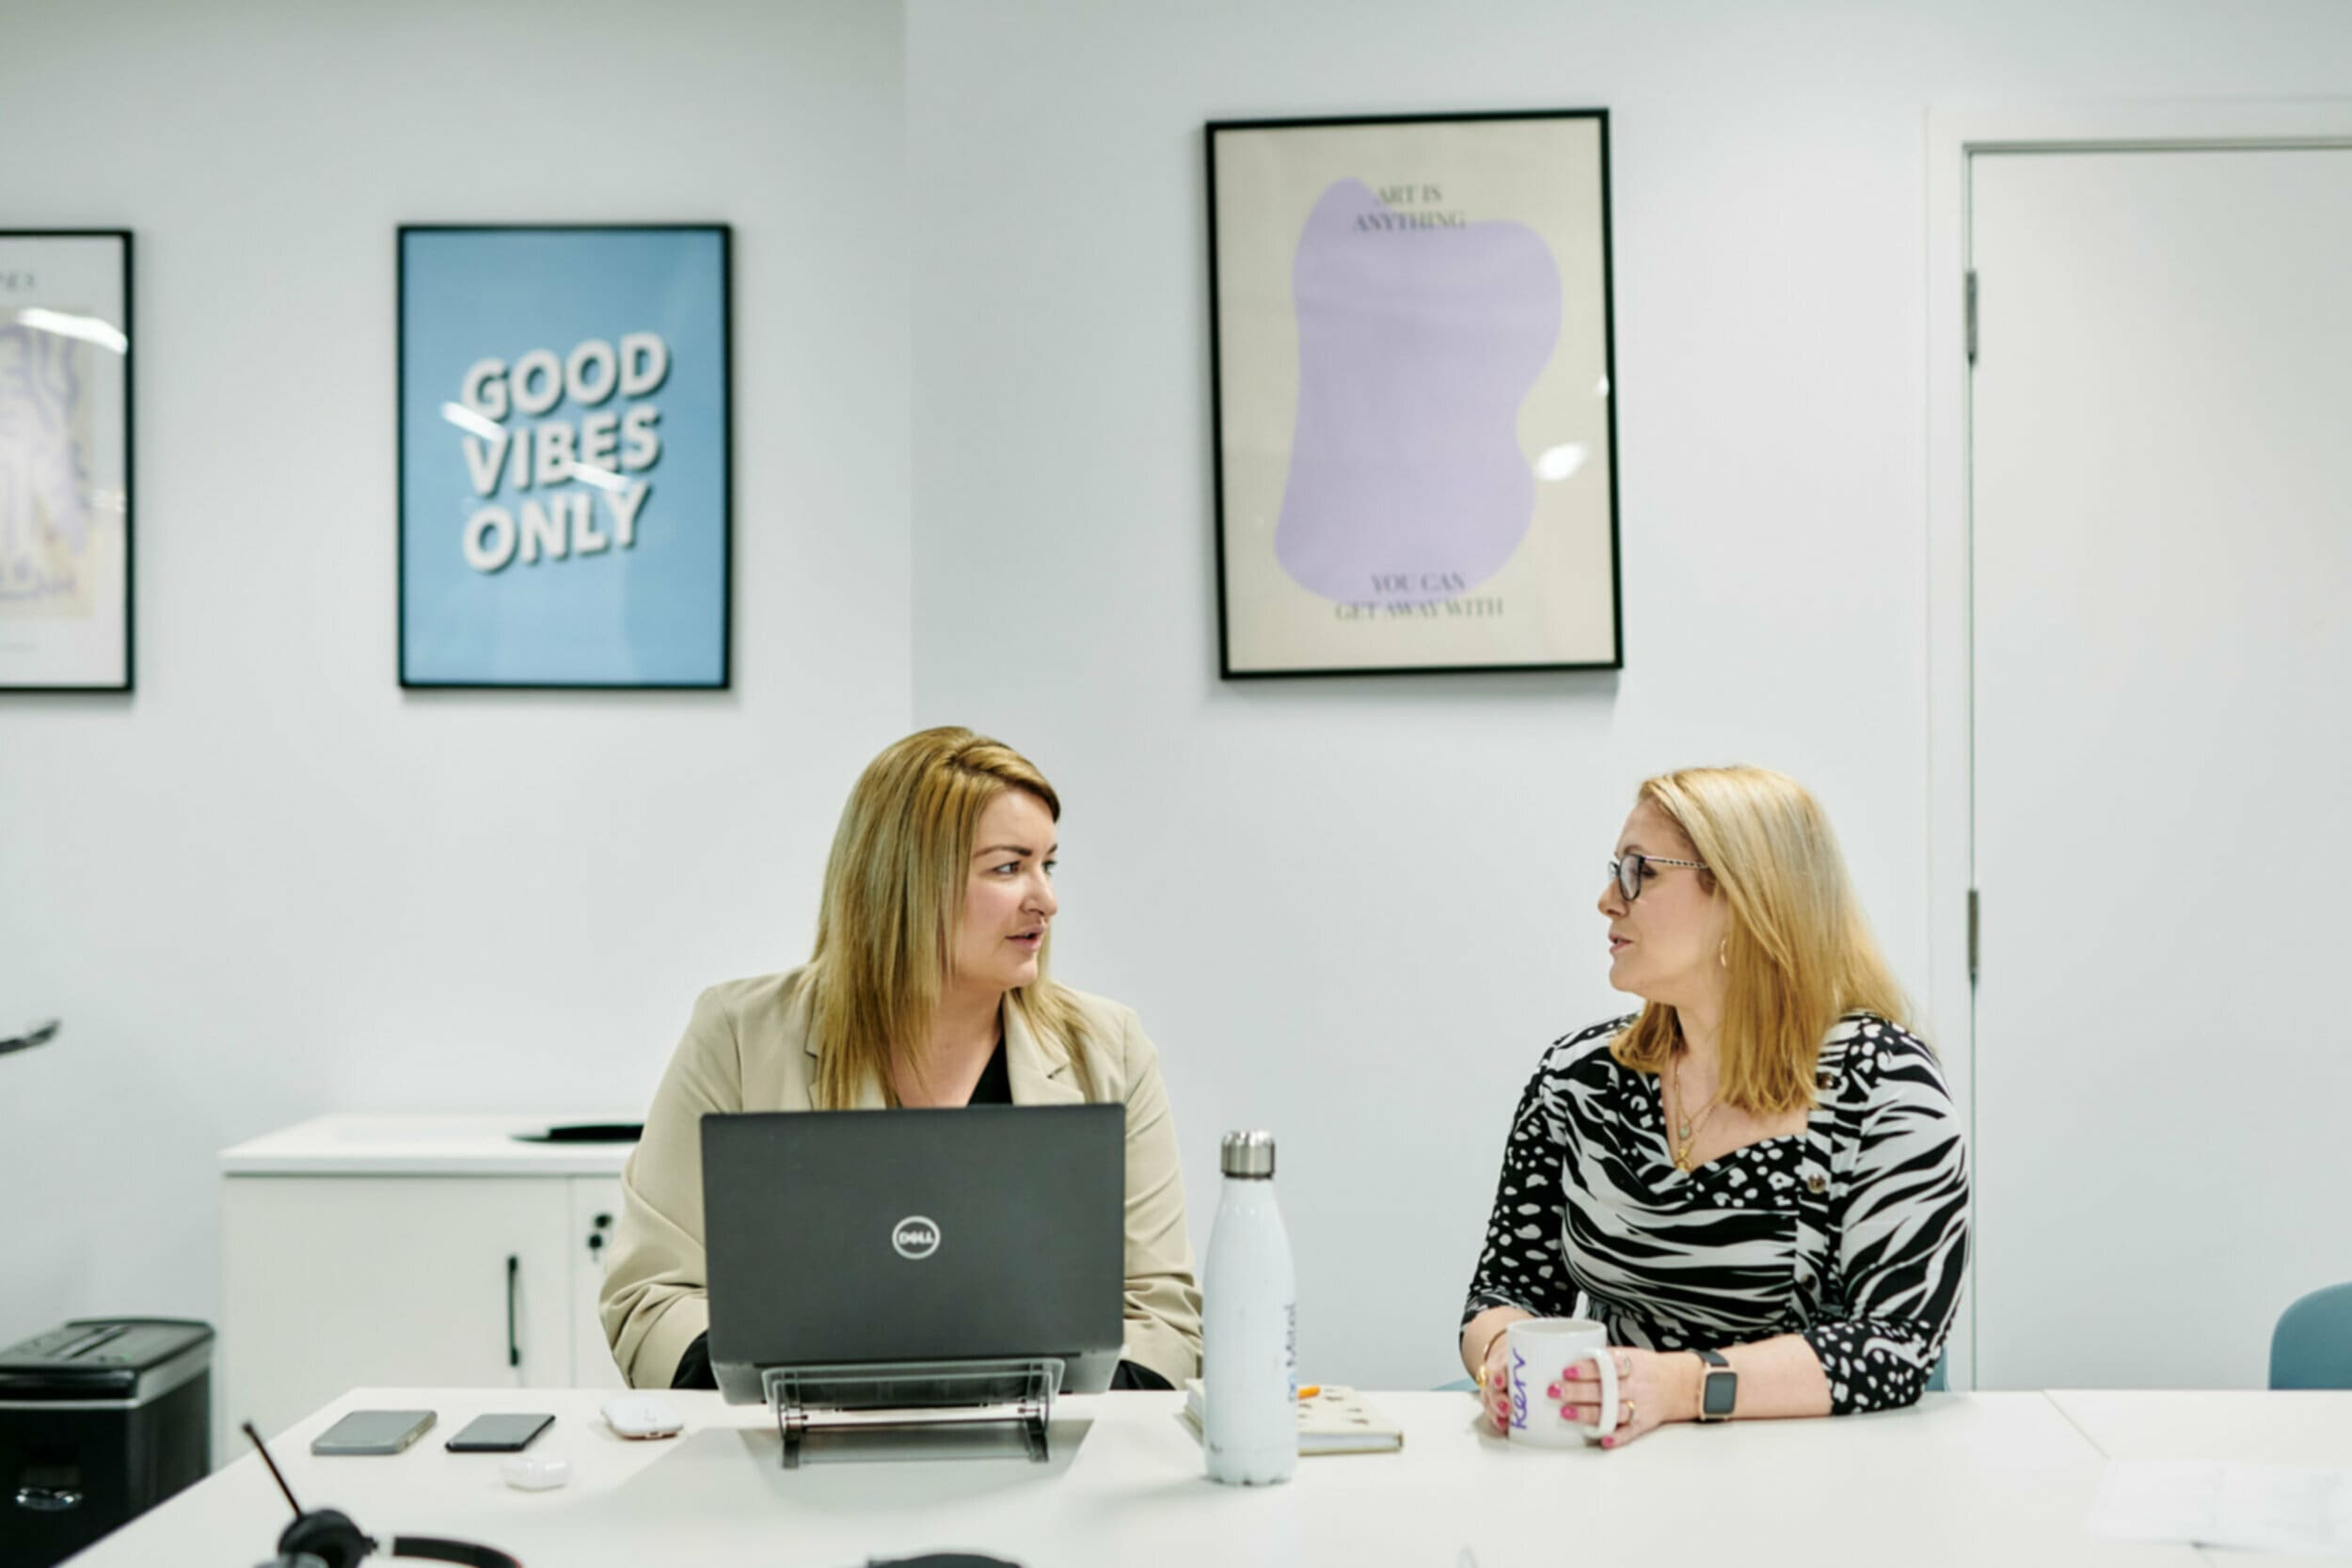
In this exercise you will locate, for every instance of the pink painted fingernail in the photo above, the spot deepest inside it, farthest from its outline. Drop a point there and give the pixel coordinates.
(1572, 1371)
(1609, 1442)
(1553, 1390)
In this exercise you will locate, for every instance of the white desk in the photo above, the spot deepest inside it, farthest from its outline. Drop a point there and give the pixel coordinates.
(2312, 1428)
(1987, 1478)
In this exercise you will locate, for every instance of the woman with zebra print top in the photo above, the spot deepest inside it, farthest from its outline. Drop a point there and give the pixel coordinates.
(1763, 1169)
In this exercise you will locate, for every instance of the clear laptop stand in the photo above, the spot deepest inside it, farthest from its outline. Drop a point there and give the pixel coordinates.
(928, 1397)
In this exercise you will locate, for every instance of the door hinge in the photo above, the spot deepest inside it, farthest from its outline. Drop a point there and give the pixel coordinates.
(1972, 936)
(1971, 293)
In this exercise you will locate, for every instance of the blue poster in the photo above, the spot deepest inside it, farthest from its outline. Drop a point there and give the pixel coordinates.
(564, 456)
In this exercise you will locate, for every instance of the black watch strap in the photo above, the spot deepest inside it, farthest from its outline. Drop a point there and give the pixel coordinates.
(1719, 1386)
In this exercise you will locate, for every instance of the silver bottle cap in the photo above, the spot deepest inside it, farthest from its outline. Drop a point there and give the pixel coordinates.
(1248, 1155)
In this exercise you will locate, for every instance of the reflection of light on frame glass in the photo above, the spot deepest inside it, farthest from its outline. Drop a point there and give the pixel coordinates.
(1561, 462)
(89, 329)
(474, 423)
(471, 422)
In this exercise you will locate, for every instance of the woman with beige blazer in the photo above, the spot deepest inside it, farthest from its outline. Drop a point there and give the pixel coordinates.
(927, 988)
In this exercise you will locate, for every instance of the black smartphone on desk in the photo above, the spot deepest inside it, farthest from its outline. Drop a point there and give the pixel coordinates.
(373, 1432)
(498, 1434)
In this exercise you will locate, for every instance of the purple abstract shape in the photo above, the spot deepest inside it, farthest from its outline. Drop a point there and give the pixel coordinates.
(1418, 336)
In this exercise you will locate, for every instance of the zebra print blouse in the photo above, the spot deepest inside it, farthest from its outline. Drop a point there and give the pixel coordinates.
(1853, 1233)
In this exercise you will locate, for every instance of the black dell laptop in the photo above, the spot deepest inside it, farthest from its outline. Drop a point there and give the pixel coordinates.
(873, 1239)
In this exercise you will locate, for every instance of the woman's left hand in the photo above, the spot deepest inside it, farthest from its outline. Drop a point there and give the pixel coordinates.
(1651, 1391)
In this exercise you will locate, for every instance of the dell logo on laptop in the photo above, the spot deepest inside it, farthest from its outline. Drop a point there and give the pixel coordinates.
(915, 1237)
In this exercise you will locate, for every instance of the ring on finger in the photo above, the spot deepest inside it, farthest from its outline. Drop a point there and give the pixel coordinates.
(1626, 1420)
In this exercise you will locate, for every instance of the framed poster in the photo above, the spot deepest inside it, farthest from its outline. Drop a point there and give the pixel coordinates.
(65, 459)
(565, 459)
(1415, 399)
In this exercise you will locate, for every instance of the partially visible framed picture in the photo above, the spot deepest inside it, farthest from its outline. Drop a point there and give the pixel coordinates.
(65, 459)
(1415, 394)
(566, 455)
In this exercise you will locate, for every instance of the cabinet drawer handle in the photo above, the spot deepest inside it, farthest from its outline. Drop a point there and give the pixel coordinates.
(514, 1349)
(47, 1500)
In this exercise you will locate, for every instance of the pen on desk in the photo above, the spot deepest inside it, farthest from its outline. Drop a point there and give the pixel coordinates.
(1310, 1390)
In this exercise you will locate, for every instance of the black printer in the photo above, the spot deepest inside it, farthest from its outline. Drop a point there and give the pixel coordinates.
(100, 1420)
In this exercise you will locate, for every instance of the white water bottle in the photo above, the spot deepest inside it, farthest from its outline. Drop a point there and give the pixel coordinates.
(1250, 1352)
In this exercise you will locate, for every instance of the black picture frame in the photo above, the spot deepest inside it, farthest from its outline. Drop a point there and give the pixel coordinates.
(68, 444)
(1329, 561)
(531, 286)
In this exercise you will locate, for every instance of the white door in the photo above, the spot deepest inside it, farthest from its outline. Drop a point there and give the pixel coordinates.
(2161, 573)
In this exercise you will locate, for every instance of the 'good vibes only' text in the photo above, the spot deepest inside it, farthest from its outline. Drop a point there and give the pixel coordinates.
(592, 456)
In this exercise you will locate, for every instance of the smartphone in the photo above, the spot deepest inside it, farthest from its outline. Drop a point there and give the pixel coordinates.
(498, 1434)
(373, 1431)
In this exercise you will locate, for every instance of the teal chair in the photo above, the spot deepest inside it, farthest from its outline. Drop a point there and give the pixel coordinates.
(2311, 1347)
(1937, 1382)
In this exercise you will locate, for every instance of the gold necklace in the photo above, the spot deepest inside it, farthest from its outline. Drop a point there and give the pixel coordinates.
(1687, 1128)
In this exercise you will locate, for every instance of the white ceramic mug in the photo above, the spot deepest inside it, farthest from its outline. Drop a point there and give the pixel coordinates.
(1535, 1352)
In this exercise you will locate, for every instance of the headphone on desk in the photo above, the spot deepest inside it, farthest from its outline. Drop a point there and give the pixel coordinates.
(332, 1539)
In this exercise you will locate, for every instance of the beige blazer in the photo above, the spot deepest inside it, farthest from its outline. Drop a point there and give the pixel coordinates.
(747, 1049)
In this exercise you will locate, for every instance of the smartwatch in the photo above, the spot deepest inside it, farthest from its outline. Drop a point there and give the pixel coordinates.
(1719, 1389)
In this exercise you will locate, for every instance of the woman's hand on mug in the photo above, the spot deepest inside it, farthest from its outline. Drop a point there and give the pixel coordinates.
(1494, 1381)
(1487, 1355)
(1650, 1392)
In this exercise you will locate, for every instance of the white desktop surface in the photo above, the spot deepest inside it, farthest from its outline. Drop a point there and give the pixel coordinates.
(2312, 1428)
(421, 1144)
(1986, 1478)
(2248, 1426)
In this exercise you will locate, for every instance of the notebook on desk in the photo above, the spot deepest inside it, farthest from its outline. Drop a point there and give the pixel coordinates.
(1333, 1419)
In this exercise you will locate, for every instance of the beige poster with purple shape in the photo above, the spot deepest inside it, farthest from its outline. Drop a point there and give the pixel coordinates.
(1414, 414)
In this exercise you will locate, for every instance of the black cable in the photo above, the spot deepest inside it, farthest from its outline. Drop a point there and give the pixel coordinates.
(280, 1479)
(439, 1550)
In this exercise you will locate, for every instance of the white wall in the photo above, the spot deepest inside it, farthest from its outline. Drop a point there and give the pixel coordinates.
(269, 884)
(1355, 910)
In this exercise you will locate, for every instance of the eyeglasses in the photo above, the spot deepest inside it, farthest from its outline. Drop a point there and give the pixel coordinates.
(1627, 872)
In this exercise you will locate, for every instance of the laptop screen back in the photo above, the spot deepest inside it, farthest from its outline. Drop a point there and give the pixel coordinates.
(855, 1237)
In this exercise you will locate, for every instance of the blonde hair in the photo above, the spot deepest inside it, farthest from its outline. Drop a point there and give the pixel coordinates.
(1799, 953)
(892, 901)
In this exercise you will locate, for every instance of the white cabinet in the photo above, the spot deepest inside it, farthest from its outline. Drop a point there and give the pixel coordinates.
(596, 1208)
(416, 1251)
